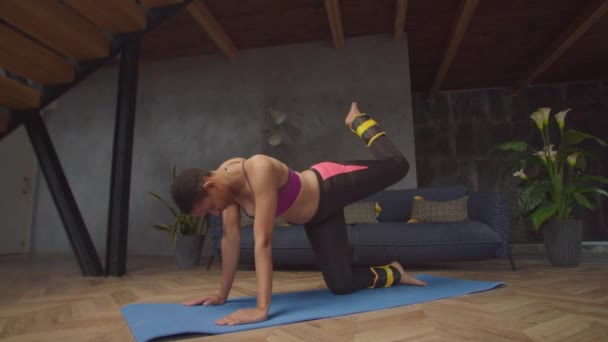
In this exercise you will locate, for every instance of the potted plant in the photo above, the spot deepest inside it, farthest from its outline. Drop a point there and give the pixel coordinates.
(552, 182)
(187, 232)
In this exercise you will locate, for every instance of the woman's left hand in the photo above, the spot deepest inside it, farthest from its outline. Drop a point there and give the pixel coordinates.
(244, 316)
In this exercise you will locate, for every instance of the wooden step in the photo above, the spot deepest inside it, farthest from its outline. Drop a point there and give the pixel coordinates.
(56, 25)
(115, 16)
(29, 59)
(16, 96)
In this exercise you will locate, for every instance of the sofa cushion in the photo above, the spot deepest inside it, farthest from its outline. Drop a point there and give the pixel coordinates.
(293, 236)
(439, 211)
(247, 221)
(360, 212)
(404, 234)
(396, 204)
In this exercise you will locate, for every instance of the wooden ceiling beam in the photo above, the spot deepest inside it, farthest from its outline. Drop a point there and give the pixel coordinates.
(30, 60)
(400, 15)
(115, 16)
(334, 15)
(457, 31)
(159, 3)
(17, 96)
(205, 19)
(57, 26)
(580, 25)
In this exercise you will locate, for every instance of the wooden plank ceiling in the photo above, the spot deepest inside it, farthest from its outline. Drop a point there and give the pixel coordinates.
(453, 44)
(504, 43)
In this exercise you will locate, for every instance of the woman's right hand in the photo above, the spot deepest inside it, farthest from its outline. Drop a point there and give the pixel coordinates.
(214, 299)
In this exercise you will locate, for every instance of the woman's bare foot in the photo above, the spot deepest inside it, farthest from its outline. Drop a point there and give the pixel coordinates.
(405, 278)
(354, 111)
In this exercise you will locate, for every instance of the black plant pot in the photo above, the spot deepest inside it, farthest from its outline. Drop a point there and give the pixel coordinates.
(563, 242)
(188, 250)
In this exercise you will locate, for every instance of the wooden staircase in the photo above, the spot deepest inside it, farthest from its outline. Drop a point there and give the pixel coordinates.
(46, 47)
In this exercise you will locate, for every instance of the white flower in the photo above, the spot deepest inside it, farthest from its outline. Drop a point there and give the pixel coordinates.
(542, 155)
(520, 174)
(545, 112)
(551, 153)
(572, 158)
(560, 117)
(538, 118)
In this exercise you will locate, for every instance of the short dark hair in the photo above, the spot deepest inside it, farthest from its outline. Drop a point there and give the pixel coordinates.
(187, 189)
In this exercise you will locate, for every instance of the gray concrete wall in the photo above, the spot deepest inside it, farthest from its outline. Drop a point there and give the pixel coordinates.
(201, 111)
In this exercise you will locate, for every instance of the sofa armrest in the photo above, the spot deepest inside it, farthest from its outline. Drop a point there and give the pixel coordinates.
(491, 208)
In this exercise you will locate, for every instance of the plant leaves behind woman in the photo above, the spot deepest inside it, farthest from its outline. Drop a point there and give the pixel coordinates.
(560, 183)
(183, 224)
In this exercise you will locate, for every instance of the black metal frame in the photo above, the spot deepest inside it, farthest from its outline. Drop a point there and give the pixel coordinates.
(75, 227)
(120, 185)
(510, 256)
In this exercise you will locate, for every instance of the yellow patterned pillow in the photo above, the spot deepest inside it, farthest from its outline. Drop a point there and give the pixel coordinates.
(361, 212)
(279, 222)
(246, 220)
(377, 209)
(439, 211)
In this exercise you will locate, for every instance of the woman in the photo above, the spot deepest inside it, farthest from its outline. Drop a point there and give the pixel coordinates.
(265, 188)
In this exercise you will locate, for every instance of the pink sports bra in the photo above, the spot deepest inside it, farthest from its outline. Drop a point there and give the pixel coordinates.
(288, 192)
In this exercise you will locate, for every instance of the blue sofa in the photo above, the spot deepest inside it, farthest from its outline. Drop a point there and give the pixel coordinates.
(483, 236)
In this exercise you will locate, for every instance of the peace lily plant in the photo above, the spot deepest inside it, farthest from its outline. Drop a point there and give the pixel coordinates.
(560, 181)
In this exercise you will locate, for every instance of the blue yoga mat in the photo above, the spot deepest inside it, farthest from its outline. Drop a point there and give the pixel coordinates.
(151, 321)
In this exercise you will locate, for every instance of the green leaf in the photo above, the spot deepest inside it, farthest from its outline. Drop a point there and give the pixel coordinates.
(164, 227)
(522, 162)
(581, 162)
(542, 213)
(588, 190)
(597, 179)
(589, 154)
(187, 224)
(525, 161)
(515, 145)
(575, 137)
(582, 200)
(173, 210)
(601, 192)
(532, 196)
(174, 170)
(176, 222)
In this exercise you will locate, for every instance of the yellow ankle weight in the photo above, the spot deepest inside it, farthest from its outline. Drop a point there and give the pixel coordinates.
(385, 276)
(366, 128)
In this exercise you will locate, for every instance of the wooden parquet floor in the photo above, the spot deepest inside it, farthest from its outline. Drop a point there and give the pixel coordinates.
(48, 300)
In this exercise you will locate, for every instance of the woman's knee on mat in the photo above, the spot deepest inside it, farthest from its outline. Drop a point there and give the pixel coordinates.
(341, 289)
(339, 284)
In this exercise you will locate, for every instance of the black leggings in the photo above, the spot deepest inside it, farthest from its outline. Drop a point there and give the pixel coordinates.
(342, 184)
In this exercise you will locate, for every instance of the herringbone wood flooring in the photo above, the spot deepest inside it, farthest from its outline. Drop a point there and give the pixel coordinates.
(47, 300)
